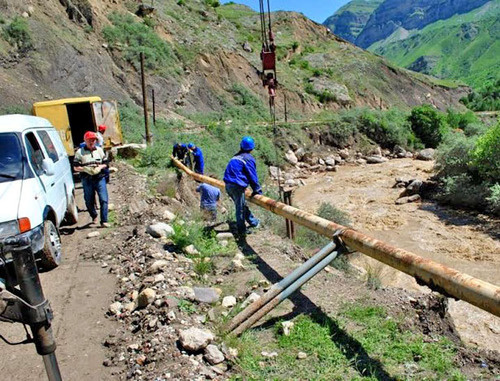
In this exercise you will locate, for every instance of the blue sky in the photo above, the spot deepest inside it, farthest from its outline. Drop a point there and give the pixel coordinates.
(317, 10)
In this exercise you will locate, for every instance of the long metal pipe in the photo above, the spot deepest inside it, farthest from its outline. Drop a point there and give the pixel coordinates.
(280, 286)
(284, 294)
(436, 275)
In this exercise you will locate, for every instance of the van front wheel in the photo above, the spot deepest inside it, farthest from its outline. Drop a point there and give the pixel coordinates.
(50, 256)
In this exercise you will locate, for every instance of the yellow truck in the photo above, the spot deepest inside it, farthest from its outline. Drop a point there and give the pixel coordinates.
(72, 117)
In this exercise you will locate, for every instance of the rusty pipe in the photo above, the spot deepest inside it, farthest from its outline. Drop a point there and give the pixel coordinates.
(280, 286)
(284, 294)
(436, 275)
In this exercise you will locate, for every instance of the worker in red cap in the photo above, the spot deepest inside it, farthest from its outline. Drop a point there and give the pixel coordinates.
(100, 132)
(91, 161)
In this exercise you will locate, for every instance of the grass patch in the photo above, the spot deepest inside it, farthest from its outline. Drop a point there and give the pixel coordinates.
(132, 38)
(17, 34)
(335, 350)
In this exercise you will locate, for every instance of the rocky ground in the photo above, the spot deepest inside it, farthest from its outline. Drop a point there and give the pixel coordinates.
(159, 319)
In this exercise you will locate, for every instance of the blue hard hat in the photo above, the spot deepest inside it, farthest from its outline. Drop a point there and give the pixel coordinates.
(183, 145)
(191, 145)
(247, 143)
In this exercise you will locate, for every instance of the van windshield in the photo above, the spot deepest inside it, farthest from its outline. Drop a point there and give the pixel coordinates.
(11, 158)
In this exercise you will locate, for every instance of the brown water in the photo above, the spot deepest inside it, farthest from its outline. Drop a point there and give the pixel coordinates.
(465, 241)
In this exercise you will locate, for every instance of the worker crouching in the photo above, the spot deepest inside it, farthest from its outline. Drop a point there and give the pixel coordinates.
(241, 171)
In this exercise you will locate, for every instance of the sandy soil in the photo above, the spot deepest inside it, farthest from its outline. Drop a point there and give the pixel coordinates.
(79, 292)
(465, 241)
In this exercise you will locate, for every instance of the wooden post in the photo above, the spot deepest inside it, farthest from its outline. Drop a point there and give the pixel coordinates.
(286, 113)
(154, 108)
(145, 101)
(290, 226)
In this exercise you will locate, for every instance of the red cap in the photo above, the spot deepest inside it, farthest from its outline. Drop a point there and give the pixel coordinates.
(102, 128)
(89, 135)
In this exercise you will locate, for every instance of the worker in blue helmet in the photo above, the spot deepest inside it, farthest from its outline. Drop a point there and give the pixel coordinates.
(198, 161)
(241, 171)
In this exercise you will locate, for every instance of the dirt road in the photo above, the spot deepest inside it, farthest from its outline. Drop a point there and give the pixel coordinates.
(465, 241)
(80, 292)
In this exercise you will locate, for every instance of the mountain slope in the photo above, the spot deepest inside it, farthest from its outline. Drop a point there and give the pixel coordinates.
(465, 47)
(410, 14)
(350, 19)
(196, 60)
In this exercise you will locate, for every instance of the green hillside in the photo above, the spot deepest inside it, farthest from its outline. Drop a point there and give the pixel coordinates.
(464, 47)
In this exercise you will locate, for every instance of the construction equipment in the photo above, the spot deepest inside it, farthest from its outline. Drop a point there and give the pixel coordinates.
(22, 299)
(268, 53)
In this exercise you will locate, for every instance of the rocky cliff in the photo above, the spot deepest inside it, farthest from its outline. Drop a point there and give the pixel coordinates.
(350, 20)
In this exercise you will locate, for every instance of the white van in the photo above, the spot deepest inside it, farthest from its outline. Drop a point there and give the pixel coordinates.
(36, 185)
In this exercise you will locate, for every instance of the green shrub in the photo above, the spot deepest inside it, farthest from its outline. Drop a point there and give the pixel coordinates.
(295, 45)
(133, 38)
(486, 155)
(462, 191)
(460, 120)
(181, 2)
(310, 239)
(17, 33)
(17, 109)
(494, 199)
(486, 99)
(387, 128)
(454, 154)
(428, 124)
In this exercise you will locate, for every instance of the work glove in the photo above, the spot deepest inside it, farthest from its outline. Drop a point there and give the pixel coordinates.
(258, 191)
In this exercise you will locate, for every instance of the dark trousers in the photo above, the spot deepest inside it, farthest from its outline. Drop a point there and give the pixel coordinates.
(243, 214)
(91, 186)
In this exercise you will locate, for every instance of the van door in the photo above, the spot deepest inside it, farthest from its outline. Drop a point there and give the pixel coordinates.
(36, 155)
(106, 112)
(60, 166)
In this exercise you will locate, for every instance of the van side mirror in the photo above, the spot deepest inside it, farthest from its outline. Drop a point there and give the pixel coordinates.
(48, 167)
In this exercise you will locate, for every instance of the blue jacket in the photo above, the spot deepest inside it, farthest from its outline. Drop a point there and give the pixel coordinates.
(241, 170)
(199, 163)
(209, 196)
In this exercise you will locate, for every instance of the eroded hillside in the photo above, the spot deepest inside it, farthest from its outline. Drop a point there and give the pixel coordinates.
(200, 58)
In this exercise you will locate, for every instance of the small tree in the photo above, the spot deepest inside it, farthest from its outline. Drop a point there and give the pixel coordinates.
(486, 154)
(428, 125)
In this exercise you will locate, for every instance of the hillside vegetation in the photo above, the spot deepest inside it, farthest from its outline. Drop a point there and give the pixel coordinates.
(464, 47)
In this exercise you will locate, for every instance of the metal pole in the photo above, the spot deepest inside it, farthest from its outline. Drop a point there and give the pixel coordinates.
(280, 286)
(284, 294)
(145, 101)
(435, 275)
(31, 289)
(154, 106)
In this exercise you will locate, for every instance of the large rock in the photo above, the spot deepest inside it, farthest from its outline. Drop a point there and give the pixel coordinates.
(129, 151)
(213, 354)
(168, 215)
(399, 151)
(300, 153)
(206, 294)
(195, 339)
(247, 47)
(158, 265)
(414, 187)
(330, 161)
(426, 154)
(146, 297)
(274, 172)
(191, 250)
(160, 229)
(251, 298)
(344, 153)
(115, 308)
(229, 301)
(291, 158)
(337, 92)
(376, 159)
